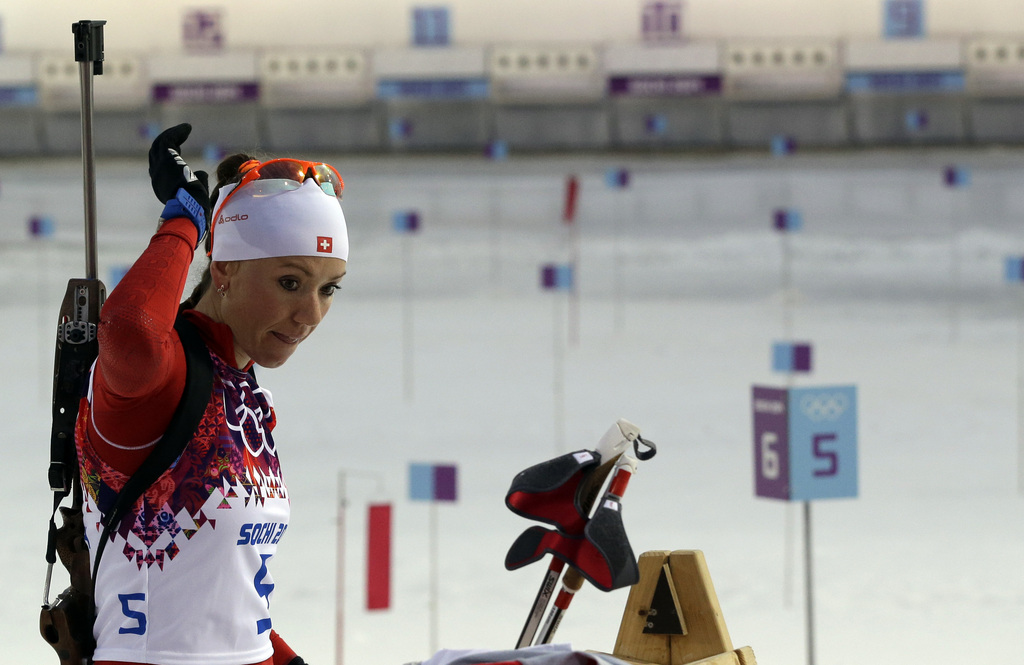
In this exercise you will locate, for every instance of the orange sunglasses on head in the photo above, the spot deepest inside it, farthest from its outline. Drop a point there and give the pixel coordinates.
(280, 175)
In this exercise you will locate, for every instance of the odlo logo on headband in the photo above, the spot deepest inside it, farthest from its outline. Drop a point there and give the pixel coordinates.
(232, 218)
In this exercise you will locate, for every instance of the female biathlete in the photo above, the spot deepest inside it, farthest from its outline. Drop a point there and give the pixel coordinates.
(185, 576)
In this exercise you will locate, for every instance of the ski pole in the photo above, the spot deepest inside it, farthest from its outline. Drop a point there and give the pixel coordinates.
(540, 603)
(610, 447)
(572, 581)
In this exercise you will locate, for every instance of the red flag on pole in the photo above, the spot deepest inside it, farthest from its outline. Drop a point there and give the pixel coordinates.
(572, 190)
(378, 557)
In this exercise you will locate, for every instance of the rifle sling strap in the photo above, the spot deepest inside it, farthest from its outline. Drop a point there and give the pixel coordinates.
(184, 422)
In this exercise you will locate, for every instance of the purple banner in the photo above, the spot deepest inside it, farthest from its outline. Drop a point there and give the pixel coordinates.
(669, 85)
(445, 482)
(433, 482)
(203, 30)
(792, 357)
(41, 227)
(205, 93)
(661, 21)
(771, 442)
(956, 176)
(406, 221)
(558, 277)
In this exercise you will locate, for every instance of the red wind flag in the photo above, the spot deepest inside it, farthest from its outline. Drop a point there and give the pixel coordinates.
(572, 190)
(378, 557)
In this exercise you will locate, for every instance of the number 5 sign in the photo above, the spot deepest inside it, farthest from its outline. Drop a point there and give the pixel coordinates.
(805, 442)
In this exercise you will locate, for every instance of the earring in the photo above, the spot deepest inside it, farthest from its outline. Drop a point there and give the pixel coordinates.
(222, 290)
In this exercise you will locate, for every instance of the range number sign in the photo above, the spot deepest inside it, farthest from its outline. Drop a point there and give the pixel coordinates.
(805, 442)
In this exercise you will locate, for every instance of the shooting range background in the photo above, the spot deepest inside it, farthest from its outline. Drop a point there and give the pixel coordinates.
(262, 22)
(923, 567)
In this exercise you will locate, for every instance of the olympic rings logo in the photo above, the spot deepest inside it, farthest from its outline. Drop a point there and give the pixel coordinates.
(824, 406)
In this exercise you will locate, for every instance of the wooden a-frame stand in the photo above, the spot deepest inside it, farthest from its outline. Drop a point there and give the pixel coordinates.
(672, 616)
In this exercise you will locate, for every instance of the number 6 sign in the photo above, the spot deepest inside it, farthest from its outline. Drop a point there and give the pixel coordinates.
(805, 442)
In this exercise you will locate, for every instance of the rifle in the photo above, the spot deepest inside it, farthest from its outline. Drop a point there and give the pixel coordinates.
(66, 624)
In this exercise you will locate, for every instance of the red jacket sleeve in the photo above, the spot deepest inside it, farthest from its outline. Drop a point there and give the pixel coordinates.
(140, 371)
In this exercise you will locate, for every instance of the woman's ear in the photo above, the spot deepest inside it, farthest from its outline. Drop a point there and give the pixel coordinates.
(221, 272)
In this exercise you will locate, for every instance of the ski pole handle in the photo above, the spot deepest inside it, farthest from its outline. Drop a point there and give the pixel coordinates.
(611, 447)
(617, 439)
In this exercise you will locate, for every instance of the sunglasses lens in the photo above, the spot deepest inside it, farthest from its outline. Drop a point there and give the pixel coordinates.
(282, 169)
(328, 176)
(296, 171)
(271, 186)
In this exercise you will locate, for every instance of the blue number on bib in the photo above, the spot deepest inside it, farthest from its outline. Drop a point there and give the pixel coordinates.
(140, 617)
(264, 589)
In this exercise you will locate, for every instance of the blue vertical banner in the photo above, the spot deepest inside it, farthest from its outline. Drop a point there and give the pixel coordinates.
(431, 26)
(1013, 269)
(617, 178)
(655, 124)
(496, 150)
(823, 442)
(556, 277)
(41, 227)
(903, 18)
(787, 220)
(405, 221)
(433, 482)
(956, 176)
(791, 357)
(916, 120)
(805, 442)
(782, 145)
(400, 129)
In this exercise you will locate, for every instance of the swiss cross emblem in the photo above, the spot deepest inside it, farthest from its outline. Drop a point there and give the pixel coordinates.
(324, 244)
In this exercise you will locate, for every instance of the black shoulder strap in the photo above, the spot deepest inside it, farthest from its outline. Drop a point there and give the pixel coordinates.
(186, 418)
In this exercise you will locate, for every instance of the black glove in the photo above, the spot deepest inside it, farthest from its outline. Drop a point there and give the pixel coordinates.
(297, 661)
(186, 194)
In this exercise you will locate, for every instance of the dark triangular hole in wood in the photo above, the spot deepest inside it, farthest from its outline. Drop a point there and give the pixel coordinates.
(664, 616)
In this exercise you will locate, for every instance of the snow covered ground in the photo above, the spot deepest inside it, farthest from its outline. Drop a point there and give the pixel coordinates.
(898, 283)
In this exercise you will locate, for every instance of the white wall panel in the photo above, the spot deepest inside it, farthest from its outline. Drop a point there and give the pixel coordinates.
(455, 62)
(693, 57)
(903, 54)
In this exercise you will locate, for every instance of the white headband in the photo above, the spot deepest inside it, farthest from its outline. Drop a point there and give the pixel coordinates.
(305, 221)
